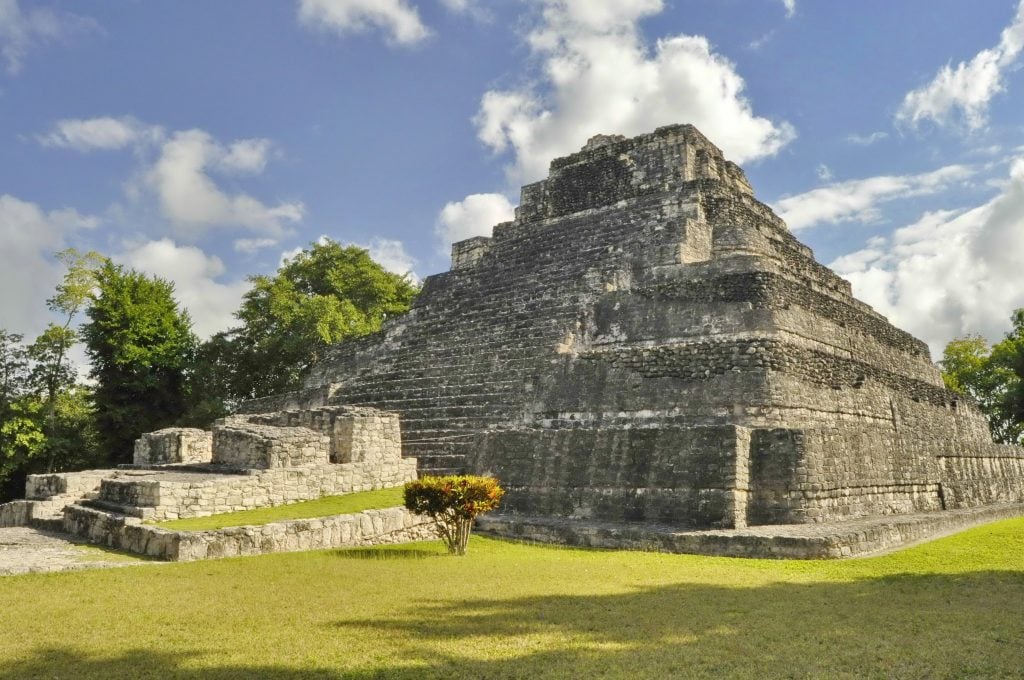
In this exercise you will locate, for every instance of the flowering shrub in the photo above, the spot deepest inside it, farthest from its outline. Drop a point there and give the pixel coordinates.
(453, 502)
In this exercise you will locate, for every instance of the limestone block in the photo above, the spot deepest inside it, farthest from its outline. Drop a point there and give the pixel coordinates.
(173, 445)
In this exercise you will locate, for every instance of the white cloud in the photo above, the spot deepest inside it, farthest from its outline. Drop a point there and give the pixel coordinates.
(866, 140)
(968, 87)
(23, 31)
(391, 254)
(858, 199)
(103, 133)
(28, 272)
(247, 155)
(397, 18)
(192, 201)
(823, 172)
(474, 215)
(790, 6)
(196, 277)
(250, 246)
(599, 76)
(952, 272)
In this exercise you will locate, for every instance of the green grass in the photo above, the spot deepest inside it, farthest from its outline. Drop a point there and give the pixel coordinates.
(953, 608)
(321, 507)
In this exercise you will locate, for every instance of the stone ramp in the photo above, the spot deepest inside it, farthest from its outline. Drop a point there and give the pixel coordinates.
(859, 537)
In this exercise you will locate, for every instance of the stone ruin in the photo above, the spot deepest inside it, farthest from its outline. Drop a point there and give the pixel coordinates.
(647, 344)
(645, 356)
(247, 461)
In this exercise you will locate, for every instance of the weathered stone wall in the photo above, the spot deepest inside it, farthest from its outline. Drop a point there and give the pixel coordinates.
(357, 435)
(76, 484)
(994, 476)
(15, 514)
(173, 445)
(371, 527)
(239, 443)
(160, 495)
(664, 475)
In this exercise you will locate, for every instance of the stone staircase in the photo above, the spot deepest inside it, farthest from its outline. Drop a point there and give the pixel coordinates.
(46, 496)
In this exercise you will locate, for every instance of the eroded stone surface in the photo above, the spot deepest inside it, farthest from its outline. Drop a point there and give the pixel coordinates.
(24, 550)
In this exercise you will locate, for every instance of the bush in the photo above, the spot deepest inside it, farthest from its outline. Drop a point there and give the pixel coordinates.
(453, 502)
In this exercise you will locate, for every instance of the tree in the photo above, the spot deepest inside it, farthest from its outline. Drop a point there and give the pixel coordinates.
(21, 435)
(453, 502)
(318, 298)
(53, 373)
(140, 345)
(992, 376)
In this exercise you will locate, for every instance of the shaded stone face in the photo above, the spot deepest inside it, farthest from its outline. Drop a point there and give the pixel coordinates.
(648, 342)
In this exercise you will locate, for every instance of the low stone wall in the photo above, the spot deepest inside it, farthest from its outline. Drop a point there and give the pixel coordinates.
(159, 495)
(77, 484)
(371, 527)
(174, 445)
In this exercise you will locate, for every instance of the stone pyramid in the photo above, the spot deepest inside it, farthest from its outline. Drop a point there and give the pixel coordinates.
(646, 342)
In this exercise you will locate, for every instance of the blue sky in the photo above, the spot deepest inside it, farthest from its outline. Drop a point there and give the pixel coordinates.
(203, 140)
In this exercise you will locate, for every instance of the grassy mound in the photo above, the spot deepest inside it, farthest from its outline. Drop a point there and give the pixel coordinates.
(321, 507)
(946, 609)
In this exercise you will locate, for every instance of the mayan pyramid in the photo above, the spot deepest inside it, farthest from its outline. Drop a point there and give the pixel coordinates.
(646, 342)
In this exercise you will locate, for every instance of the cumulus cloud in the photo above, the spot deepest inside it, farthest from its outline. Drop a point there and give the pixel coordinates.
(968, 87)
(474, 215)
(29, 273)
(197, 281)
(180, 171)
(397, 18)
(192, 201)
(950, 273)
(104, 133)
(391, 254)
(858, 200)
(790, 6)
(23, 31)
(598, 75)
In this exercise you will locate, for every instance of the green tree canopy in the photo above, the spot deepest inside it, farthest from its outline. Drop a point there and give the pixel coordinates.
(140, 345)
(320, 297)
(992, 376)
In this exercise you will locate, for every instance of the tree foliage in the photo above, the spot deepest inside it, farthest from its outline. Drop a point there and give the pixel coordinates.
(992, 376)
(318, 298)
(140, 345)
(453, 502)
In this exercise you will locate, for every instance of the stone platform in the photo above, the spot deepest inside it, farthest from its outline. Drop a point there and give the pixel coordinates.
(860, 537)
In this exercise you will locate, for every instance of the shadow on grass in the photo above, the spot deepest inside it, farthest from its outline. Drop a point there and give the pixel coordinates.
(908, 625)
(903, 626)
(141, 663)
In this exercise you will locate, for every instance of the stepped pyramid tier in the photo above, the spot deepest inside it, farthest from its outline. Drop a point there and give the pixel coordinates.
(646, 341)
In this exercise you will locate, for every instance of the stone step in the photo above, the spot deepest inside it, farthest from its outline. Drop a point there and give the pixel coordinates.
(117, 508)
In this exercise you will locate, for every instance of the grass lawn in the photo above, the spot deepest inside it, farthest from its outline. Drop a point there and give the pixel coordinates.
(321, 507)
(953, 608)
